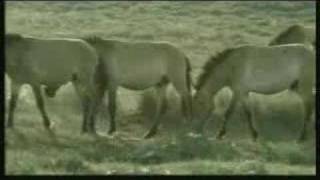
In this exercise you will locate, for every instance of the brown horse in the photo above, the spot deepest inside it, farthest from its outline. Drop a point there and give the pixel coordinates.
(259, 69)
(51, 62)
(138, 66)
(296, 34)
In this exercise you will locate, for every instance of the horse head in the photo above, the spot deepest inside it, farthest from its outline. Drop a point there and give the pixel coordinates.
(50, 91)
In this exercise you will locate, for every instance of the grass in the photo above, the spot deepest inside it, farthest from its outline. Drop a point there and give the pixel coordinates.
(28, 152)
(199, 29)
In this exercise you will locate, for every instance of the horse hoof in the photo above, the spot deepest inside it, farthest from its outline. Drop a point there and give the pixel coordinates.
(9, 126)
(52, 125)
(48, 125)
(149, 135)
(84, 131)
(194, 135)
(50, 128)
(220, 137)
(51, 133)
(301, 139)
(111, 131)
(92, 134)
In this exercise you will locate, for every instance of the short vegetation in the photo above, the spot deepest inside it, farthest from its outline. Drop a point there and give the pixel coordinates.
(200, 29)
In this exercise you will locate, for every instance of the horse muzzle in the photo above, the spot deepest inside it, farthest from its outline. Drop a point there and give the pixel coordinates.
(50, 92)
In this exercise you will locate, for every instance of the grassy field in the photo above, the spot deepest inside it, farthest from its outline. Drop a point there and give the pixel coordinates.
(199, 29)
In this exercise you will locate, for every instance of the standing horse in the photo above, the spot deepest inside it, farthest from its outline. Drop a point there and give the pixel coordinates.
(52, 63)
(296, 34)
(138, 66)
(260, 69)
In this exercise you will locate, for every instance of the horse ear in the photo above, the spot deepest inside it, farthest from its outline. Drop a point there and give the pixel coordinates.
(314, 44)
(13, 37)
(96, 38)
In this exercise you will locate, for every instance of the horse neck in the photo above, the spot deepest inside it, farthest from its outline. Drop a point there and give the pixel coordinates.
(213, 84)
(217, 80)
(203, 105)
(13, 59)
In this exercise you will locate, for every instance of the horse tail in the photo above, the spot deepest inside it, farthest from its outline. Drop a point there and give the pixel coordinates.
(188, 74)
(100, 74)
(189, 86)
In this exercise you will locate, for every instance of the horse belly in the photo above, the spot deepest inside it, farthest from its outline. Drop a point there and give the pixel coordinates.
(140, 78)
(273, 81)
(56, 78)
(52, 71)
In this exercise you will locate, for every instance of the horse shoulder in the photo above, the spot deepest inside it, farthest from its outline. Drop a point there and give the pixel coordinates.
(173, 47)
(83, 48)
(173, 51)
(309, 55)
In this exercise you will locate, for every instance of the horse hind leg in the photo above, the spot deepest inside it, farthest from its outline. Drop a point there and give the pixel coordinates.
(94, 107)
(160, 108)
(308, 104)
(181, 86)
(303, 87)
(96, 96)
(187, 106)
(15, 89)
(40, 104)
(84, 104)
(248, 110)
(112, 94)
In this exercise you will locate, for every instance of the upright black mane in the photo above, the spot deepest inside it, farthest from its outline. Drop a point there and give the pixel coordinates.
(13, 37)
(210, 65)
(285, 33)
(92, 39)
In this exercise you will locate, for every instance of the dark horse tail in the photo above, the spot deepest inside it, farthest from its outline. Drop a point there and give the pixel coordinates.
(100, 75)
(188, 74)
(189, 85)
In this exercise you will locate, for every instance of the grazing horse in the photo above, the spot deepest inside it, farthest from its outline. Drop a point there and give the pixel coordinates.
(138, 66)
(50, 62)
(296, 34)
(259, 69)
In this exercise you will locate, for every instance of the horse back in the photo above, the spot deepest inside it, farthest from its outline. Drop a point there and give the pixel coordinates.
(54, 60)
(58, 50)
(138, 65)
(273, 68)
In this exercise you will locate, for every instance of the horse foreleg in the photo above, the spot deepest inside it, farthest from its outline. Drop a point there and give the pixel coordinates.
(95, 106)
(248, 110)
(15, 88)
(228, 114)
(161, 106)
(187, 106)
(40, 104)
(112, 110)
(84, 104)
(199, 127)
(85, 109)
(308, 102)
(91, 116)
